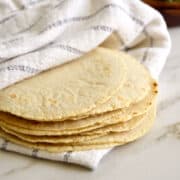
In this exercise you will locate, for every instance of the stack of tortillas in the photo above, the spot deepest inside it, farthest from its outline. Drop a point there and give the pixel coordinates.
(103, 99)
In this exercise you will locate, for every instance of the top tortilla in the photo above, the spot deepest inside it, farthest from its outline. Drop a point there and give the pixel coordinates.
(68, 90)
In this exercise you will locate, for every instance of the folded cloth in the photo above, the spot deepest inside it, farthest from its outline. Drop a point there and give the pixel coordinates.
(36, 35)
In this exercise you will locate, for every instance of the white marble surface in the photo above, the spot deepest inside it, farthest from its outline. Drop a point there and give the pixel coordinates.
(156, 156)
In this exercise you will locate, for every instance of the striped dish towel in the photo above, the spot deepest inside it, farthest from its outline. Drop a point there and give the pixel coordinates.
(36, 35)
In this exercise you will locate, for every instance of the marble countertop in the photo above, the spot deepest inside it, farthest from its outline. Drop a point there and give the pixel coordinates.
(155, 156)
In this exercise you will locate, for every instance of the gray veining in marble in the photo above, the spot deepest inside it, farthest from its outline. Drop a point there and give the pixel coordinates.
(171, 131)
(10, 172)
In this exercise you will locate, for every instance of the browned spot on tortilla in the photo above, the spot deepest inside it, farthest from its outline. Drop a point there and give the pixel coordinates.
(52, 101)
(12, 96)
(154, 84)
